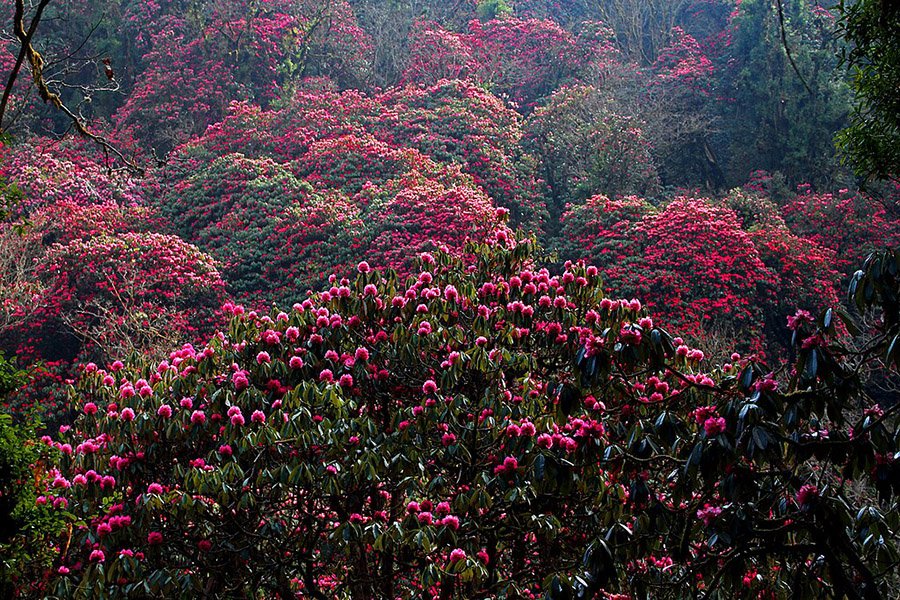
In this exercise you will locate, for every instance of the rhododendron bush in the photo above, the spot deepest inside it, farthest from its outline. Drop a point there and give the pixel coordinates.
(89, 281)
(706, 268)
(524, 59)
(691, 260)
(227, 50)
(131, 291)
(368, 138)
(852, 224)
(49, 172)
(276, 233)
(491, 430)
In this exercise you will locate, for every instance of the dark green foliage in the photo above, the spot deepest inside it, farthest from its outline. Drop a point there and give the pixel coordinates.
(787, 99)
(24, 526)
(872, 141)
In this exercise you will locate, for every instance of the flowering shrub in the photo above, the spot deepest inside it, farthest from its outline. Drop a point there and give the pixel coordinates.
(683, 63)
(703, 287)
(603, 232)
(49, 172)
(437, 54)
(698, 269)
(232, 51)
(272, 233)
(127, 292)
(803, 272)
(524, 59)
(198, 88)
(459, 123)
(426, 216)
(491, 430)
(850, 223)
(350, 163)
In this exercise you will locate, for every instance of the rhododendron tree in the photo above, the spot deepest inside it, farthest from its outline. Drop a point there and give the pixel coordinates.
(602, 231)
(696, 267)
(524, 59)
(129, 292)
(350, 163)
(702, 268)
(850, 223)
(48, 172)
(751, 254)
(682, 100)
(270, 230)
(486, 430)
(429, 215)
(459, 123)
(804, 272)
(231, 51)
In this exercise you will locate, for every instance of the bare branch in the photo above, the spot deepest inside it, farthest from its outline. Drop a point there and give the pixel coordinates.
(36, 62)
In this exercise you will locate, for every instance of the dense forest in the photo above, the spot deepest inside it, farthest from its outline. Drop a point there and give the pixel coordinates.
(582, 299)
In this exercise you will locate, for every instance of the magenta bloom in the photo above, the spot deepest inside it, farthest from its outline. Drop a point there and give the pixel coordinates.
(708, 514)
(165, 411)
(457, 555)
(198, 417)
(429, 387)
(154, 538)
(90, 408)
(154, 488)
(240, 381)
(127, 414)
(326, 376)
(97, 556)
(510, 465)
(714, 426)
(807, 495)
(346, 380)
(258, 416)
